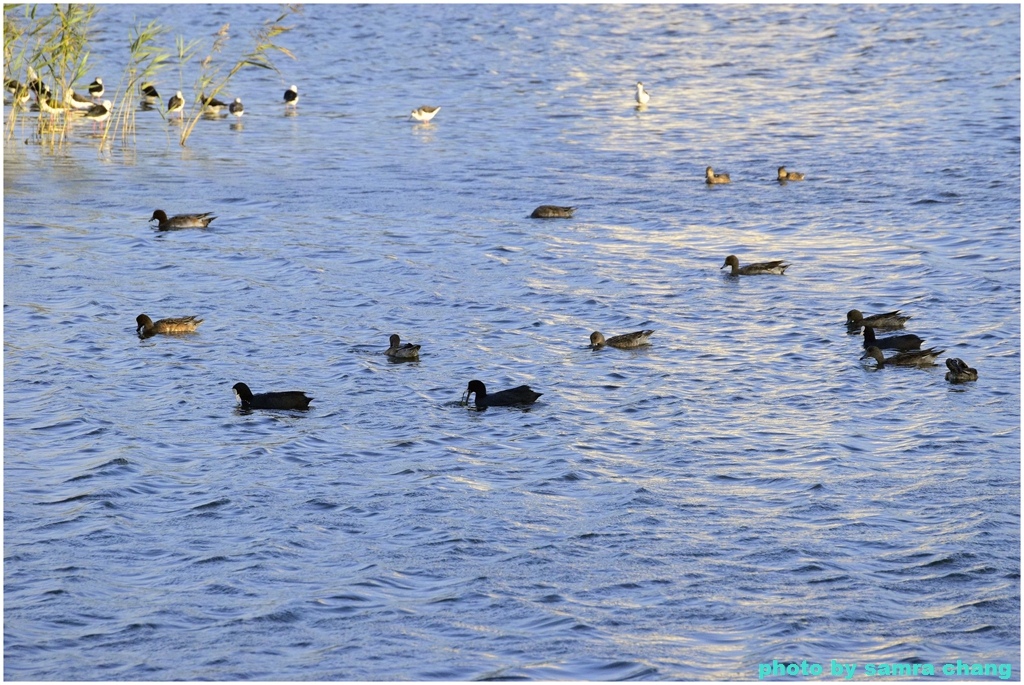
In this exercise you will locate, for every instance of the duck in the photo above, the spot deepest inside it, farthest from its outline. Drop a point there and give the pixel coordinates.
(425, 113)
(711, 178)
(789, 175)
(642, 96)
(907, 341)
(289, 399)
(180, 324)
(520, 395)
(236, 107)
(400, 351)
(175, 103)
(552, 212)
(291, 97)
(623, 342)
(758, 269)
(181, 220)
(908, 358)
(959, 372)
(855, 319)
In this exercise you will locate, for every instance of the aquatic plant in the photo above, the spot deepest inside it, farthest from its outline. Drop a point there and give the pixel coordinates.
(210, 82)
(56, 45)
(144, 63)
(52, 47)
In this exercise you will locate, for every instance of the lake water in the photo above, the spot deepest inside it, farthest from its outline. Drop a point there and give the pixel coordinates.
(743, 490)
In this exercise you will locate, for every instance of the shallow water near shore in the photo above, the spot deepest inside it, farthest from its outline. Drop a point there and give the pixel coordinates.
(743, 490)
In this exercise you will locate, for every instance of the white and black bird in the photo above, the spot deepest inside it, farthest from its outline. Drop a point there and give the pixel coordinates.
(96, 88)
(211, 105)
(150, 96)
(36, 85)
(18, 90)
(100, 112)
(291, 96)
(425, 113)
(50, 105)
(236, 107)
(78, 102)
(175, 103)
(642, 96)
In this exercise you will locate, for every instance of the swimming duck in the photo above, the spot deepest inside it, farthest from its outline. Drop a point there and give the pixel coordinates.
(907, 341)
(400, 351)
(180, 324)
(425, 113)
(789, 175)
(623, 342)
(711, 178)
(855, 319)
(505, 398)
(175, 103)
(910, 358)
(181, 220)
(758, 269)
(642, 96)
(237, 108)
(291, 97)
(959, 372)
(289, 399)
(552, 212)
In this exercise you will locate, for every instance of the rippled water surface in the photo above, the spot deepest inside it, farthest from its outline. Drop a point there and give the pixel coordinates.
(744, 489)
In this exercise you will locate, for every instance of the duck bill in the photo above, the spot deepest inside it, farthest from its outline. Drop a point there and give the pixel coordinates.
(465, 398)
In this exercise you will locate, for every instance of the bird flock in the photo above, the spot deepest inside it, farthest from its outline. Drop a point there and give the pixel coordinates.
(907, 345)
(96, 108)
(908, 352)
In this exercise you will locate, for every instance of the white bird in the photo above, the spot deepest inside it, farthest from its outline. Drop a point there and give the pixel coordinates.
(642, 96)
(236, 107)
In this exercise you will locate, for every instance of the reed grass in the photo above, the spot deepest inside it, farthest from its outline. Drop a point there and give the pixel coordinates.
(210, 82)
(56, 45)
(145, 61)
(53, 47)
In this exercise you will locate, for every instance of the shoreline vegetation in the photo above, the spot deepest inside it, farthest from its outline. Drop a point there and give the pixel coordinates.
(46, 54)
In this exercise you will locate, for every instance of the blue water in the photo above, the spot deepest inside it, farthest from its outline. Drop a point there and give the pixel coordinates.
(743, 490)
